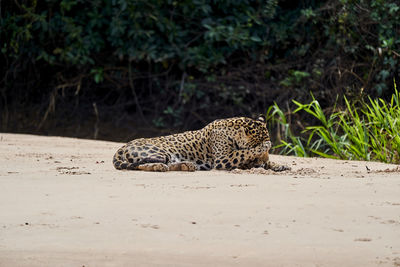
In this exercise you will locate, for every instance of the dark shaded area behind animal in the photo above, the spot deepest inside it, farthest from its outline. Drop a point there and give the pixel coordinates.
(105, 70)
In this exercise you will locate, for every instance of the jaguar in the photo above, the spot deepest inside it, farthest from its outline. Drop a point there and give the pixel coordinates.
(223, 144)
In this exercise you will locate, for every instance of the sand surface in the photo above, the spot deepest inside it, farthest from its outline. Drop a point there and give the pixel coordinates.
(63, 204)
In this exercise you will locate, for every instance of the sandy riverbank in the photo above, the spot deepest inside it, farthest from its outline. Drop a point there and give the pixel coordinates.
(63, 204)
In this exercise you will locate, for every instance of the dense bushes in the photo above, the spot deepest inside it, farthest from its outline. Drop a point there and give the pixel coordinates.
(183, 63)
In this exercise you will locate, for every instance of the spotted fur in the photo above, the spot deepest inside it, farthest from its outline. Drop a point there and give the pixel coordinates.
(223, 144)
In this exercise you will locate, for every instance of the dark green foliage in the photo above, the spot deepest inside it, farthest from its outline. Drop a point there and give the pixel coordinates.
(190, 34)
(184, 63)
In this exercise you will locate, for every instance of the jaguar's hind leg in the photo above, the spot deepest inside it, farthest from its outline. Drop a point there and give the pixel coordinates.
(183, 166)
(154, 167)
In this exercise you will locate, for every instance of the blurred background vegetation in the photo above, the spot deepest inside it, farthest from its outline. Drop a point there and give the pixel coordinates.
(119, 69)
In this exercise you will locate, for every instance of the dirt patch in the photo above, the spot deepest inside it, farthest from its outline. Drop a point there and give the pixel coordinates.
(395, 169)
(310, 172)
(71, 171)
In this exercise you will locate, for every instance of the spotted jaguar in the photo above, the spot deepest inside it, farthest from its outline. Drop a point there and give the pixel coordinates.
(223, 144)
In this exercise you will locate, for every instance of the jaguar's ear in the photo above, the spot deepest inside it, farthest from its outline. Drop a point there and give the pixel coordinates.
(261, 118)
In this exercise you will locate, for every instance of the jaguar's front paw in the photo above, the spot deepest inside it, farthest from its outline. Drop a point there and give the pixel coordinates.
(276, 167)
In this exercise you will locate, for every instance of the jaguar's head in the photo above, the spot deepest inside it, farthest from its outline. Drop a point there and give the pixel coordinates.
(256, 132)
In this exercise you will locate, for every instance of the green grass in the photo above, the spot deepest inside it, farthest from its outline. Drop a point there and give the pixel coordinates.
(367, 131)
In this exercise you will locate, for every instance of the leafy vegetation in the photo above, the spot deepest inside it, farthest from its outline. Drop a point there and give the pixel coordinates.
(364, 131)
(180, 64)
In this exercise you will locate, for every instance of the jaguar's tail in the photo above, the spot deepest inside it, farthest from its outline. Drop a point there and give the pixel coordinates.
(121, 162)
